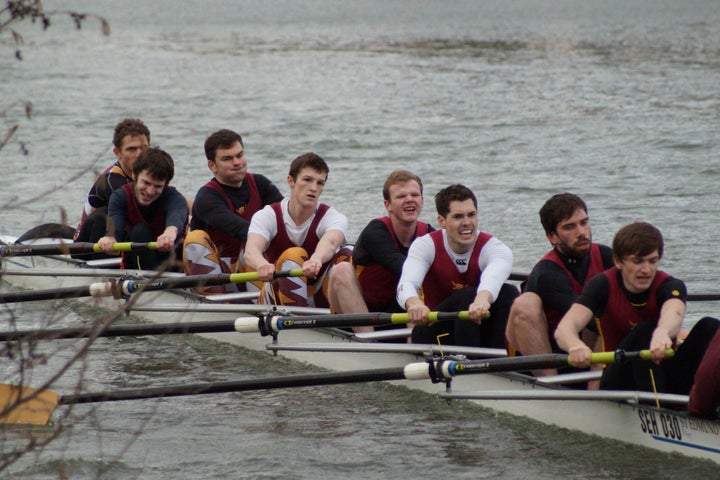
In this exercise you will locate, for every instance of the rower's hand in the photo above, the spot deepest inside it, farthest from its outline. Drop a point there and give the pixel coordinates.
(580, 356)
(480, 308)
(166, 241)
(659, 343)
(311, 268)
(417, 311)
(106, 244)
(265, 272)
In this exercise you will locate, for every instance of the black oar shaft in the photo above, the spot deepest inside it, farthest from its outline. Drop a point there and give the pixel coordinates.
(122, 288)
(121, 330)
(304, 380)
(50, 294)
(68, 248)
(273, 323)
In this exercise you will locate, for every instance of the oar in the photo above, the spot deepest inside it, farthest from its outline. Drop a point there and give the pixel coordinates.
(122, 288)
(30, 406)
(272, 323)
(242, 324)
(210, 326)
(446, 369)
(67, 248)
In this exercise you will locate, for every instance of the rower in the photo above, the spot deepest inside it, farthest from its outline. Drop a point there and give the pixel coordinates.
(458, 268)
(298, 232)
(637, 306)
(557, 279)
(222, 211)
(380, 252)
(148, 210)
(130, 138)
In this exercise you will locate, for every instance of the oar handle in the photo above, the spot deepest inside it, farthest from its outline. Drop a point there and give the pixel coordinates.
(127, 247)
(619, 356)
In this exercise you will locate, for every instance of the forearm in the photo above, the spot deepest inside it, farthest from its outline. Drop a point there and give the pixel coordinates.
(327, 246)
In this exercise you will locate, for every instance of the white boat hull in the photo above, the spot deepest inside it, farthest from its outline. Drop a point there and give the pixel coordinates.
(622, 420)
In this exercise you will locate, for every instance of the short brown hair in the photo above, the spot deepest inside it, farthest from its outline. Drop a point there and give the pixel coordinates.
(558, 208)
(639, 238)
(129, 126)
(157, 163)
(221, 139)
(453, 193)
(399, 176)
(308, 160)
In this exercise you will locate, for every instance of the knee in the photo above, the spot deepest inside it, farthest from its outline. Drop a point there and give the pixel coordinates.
(708, 326)
(342, 275)
(197, 236)
(526, 312)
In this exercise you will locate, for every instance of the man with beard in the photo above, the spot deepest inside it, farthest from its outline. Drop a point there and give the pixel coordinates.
(557, 279)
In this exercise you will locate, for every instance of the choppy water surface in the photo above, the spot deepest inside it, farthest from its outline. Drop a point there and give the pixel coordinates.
(518, 100)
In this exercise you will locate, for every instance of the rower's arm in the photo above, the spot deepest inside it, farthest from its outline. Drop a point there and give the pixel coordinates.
(327, 246)
(669, 324)
(567, 334)
(254, 258)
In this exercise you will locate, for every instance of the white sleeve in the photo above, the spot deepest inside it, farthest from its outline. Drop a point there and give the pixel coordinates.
(264, 223)
(420, 257)
(332, 220)
(495, 261)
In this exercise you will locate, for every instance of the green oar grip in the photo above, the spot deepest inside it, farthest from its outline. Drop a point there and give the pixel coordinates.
(619, 356)
(127, 246)
(253, 276)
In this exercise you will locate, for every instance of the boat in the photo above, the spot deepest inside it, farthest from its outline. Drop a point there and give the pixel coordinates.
(638, 418)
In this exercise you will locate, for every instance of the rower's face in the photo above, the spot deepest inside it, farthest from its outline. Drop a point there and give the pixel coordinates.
(573, 236)
(148, 188)
(307, 188)
(230, 165)
(132, 147)
(461, 224)
(638, 272)
(406, 201)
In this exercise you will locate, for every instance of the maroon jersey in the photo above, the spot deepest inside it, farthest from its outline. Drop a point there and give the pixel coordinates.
(443, 276)
(135, 217)
(227, 245)
(620, 316)
(282, 242)
(596, 266)
(377, 282)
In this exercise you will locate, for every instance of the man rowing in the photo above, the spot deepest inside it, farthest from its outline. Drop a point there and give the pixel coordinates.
(130, 138)
(458, 268)
(148, 210)
(222, 211)
(380, 251)
(557, 279)
(637, 306)
(298, 232)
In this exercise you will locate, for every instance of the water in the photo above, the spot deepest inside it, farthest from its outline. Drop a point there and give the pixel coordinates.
(518, 100)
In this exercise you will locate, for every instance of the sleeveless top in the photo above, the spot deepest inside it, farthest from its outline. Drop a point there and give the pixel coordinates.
(443, 276)
(227, 245)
